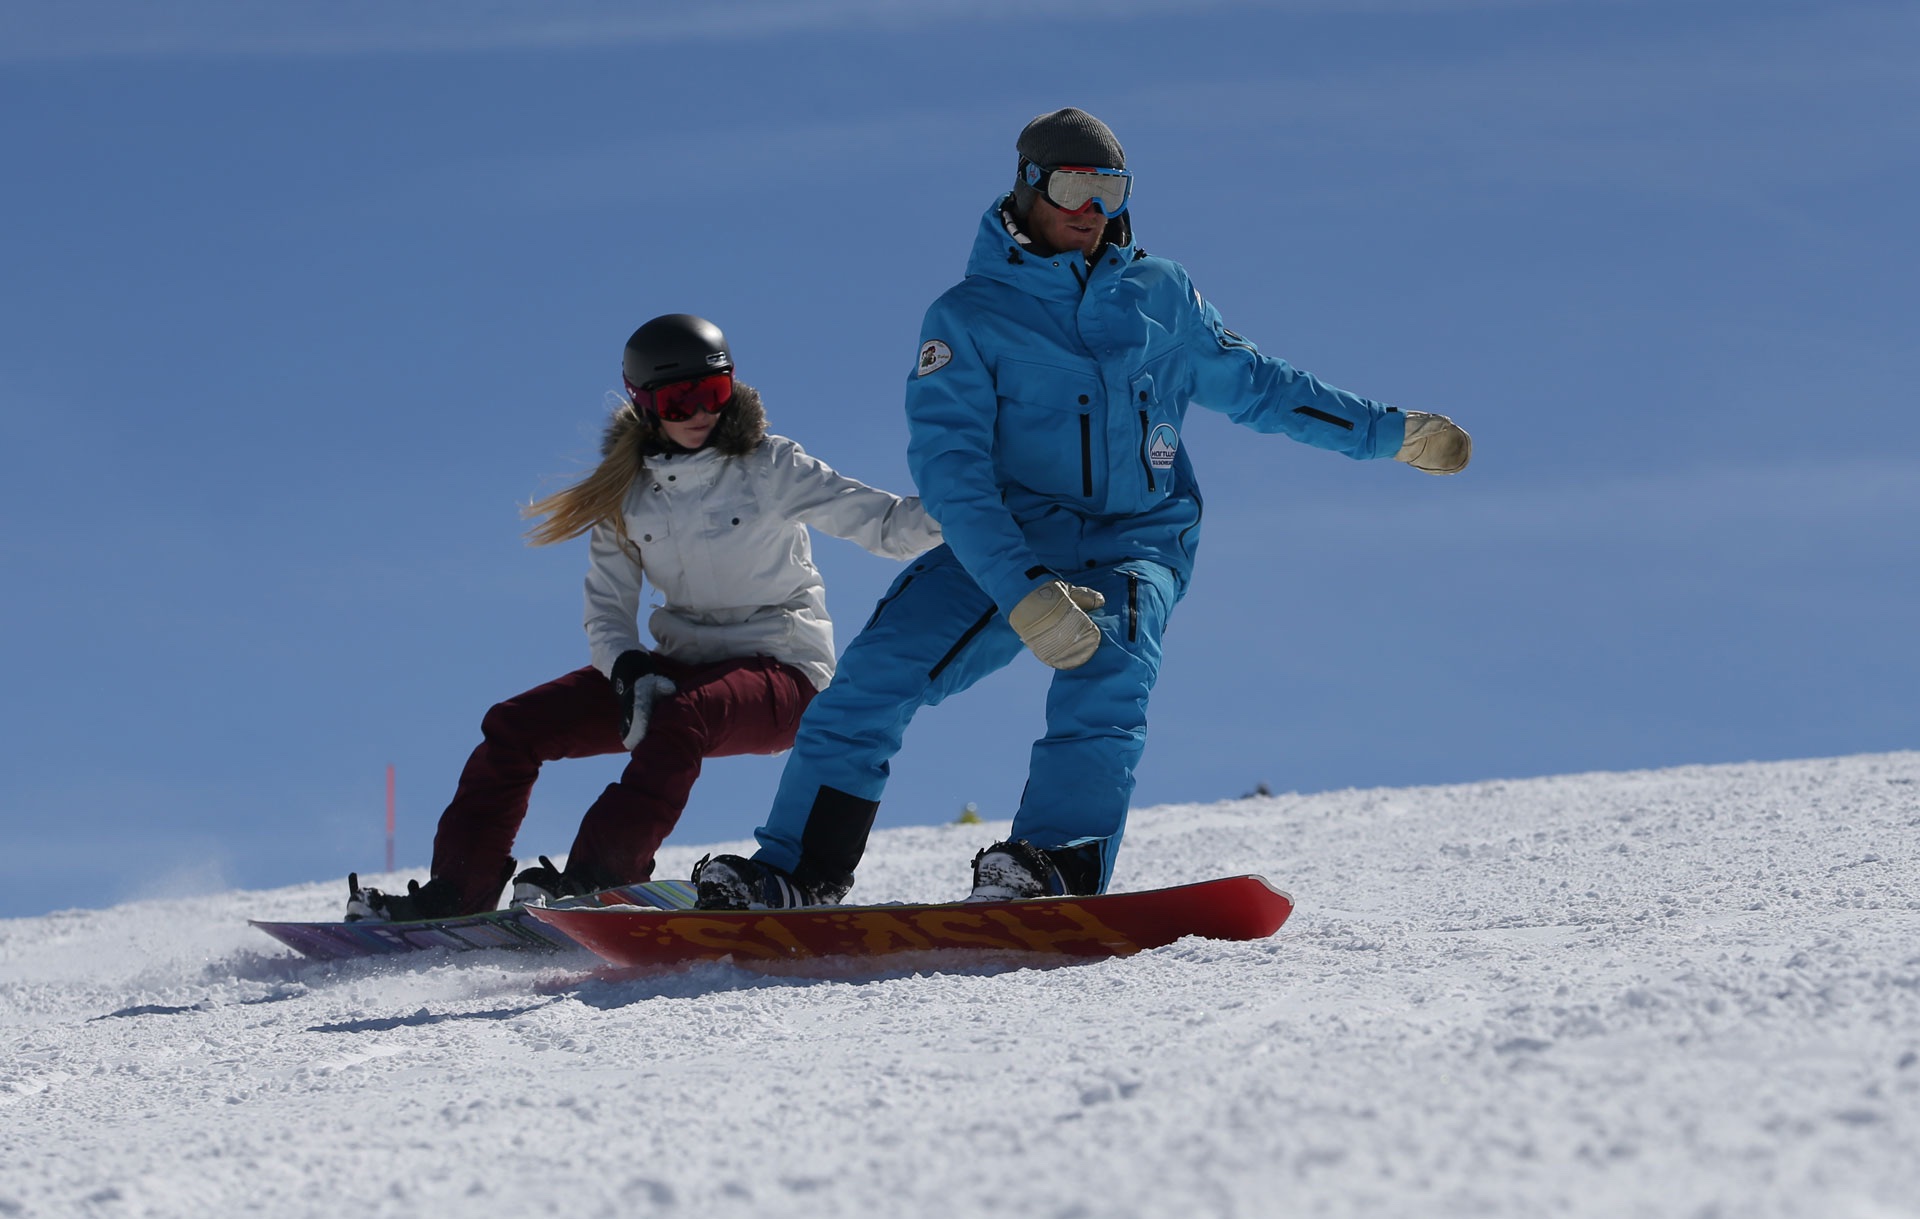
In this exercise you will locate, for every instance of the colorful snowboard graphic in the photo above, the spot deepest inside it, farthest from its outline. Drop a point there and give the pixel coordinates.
(508, 929)
(1235, 908)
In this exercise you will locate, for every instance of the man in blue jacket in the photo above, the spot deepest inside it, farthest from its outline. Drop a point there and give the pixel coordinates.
(1045, 414)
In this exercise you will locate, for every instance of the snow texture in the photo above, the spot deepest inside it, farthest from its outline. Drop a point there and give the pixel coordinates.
(1690, 992)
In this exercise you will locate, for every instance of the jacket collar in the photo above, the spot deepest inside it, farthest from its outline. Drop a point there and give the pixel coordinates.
(1004, 252)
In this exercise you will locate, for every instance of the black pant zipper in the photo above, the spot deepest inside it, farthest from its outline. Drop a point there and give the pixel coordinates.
(887, 600)
(966, 637)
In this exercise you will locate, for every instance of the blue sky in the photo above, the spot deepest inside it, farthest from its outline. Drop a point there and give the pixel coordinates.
(301, 301)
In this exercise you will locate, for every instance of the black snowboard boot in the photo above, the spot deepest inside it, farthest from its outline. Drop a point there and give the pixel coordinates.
(733, 882)
(1017, 870)
(435, 899)
(543, 884)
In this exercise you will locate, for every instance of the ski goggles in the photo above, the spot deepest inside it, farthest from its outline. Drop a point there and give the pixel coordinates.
(1075, 188)
(679, 401)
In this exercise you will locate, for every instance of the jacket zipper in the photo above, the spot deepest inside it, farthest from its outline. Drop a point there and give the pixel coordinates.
(1146, 435)
(1086, 455)
(1316, 413)
(1133, 607)
(1199, 514)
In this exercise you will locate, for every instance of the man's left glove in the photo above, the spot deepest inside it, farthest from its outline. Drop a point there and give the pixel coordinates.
(635, 687)
(1435, 444)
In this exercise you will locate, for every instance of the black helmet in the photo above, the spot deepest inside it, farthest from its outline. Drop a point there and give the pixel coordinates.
(675, 347)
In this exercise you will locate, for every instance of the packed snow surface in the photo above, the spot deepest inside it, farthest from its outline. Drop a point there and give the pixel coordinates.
(1690, 992)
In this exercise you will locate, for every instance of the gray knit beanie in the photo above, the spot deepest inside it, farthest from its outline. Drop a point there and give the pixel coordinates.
(1065, 137)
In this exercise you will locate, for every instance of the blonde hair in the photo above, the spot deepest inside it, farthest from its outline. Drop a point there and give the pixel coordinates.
(631, 437)
(597, 497)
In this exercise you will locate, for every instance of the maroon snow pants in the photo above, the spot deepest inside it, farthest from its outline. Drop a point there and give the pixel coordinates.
(751, 705)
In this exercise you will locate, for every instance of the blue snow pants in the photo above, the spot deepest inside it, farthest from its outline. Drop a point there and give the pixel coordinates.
(934, 634)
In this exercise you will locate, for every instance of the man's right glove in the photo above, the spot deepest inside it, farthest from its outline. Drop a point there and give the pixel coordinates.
(1435, 444)
(635, 687)
(1052, 620)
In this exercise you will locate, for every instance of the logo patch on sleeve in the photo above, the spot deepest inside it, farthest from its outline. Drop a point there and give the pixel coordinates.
(934, 356)
(1162, 445)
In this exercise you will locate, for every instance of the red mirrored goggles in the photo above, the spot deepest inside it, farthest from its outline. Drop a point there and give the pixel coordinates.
(679, 401)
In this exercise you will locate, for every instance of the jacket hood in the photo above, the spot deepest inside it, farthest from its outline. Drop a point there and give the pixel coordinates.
(1003, 250)
(742, 426)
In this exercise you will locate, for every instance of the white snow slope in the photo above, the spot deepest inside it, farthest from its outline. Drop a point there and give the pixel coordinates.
(1692, 992)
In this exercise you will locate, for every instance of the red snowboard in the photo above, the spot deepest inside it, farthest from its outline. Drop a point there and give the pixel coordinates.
(1235, 908)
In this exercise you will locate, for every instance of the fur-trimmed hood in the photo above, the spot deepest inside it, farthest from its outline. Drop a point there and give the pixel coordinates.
(742, 426)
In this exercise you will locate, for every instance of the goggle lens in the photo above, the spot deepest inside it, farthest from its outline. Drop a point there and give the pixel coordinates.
(1074, 188)
(679, 401)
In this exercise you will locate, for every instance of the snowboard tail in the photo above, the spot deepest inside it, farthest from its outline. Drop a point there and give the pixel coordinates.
(511, 929)
(1114, 924)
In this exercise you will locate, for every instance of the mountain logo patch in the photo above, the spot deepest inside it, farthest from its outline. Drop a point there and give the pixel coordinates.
(1162, 446)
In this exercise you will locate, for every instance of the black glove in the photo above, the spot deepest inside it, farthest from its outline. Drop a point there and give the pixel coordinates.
(636, 684)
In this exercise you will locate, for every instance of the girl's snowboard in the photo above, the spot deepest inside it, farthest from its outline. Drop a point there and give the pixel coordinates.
(509, 928)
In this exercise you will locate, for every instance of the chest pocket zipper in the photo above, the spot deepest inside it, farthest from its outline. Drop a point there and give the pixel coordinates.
(1086, 455)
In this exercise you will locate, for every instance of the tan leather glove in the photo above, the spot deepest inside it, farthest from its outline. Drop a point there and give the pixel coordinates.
(1435, 444)
(1052, 621)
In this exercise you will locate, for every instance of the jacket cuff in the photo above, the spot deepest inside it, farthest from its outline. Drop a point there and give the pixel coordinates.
(1034, 578)
(1389, 433)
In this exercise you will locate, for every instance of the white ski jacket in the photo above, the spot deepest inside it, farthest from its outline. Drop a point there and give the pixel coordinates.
(724, 542)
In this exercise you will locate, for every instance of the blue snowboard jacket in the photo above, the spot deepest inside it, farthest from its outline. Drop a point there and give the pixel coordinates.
(1046, 406)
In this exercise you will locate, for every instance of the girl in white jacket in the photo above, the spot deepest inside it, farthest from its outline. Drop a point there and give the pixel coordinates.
(695, 497)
